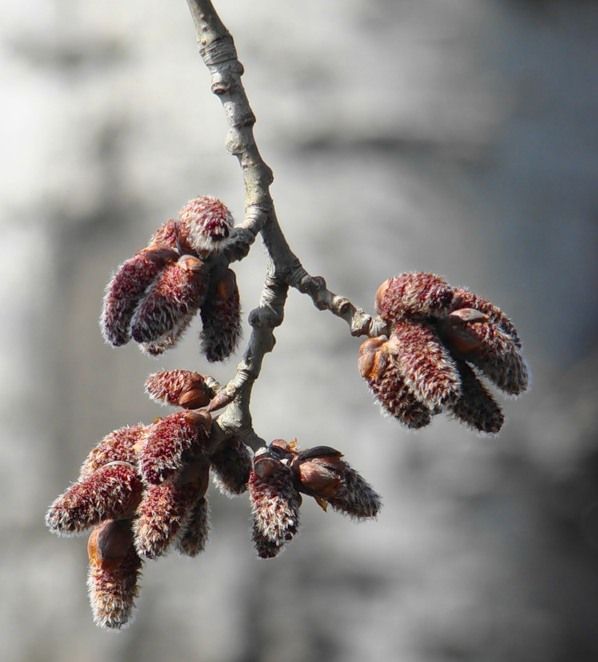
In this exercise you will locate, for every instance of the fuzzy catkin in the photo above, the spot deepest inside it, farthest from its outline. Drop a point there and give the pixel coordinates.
(118, 446)
(176, 293)
(476, 407)
(417, 295)
(275, 505)
(388, 385)
(165, 443)
(231, 466)
(196, 529)
(126, 289)
(424, 363)
(162, 512)
(179, 388)
(205, 222)
(110, 492)
(114, 570)
(221, 318)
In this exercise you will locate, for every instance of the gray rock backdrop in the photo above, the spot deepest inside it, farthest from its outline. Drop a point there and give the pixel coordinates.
(456, 137)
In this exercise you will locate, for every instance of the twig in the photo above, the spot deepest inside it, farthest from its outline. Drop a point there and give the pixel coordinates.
(284, 269)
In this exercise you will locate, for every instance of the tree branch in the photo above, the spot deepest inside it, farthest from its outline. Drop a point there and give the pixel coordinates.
(217, 49)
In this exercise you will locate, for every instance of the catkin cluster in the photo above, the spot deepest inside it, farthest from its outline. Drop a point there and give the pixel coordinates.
(154, 295)
(442, 340)
(142, 490)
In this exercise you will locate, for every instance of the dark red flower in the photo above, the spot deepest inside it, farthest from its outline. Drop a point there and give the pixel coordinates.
(111, 492)
(118, 446)
(169, 339)
(221, 318)
(275, 504)
(476, 407)
(175, 294)
(388, 385)
(436, 332)
(205, 222)
(231, 466)
(196, 529)
(162, 453)
(126, 289)
(166, 508)
(413, 295)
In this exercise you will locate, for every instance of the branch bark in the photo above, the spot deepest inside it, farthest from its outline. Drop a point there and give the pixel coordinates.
(284, 269)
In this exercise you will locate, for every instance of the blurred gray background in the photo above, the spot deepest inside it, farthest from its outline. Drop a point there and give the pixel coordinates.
(449, 136)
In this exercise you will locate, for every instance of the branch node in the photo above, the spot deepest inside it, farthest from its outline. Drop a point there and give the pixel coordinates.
(221, 50)
(342, 306)
(220, 87)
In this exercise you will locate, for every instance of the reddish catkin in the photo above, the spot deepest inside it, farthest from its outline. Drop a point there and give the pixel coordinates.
(114, 569)
(476, 407)
(264, 546)
(180, 388)
(112, 491)
(166, 236)
(419, 295)
(166, 508)
(463, 298)
(322, 473)
(221, 318)
(425, 364)
(231, 466)
(126, 289)
(275, 504)
(388, 385)
(163, 510)
(168, 340)
(433, 326)
(204, 223)
(167, 440)
(491, 350)
(177, 293)
(196, 529)
(118, 446)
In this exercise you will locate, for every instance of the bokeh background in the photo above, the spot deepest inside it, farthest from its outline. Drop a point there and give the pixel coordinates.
(457, 137)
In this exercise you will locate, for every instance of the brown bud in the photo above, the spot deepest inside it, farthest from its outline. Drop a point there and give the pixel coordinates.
(465, 299)
(182, 388)
(372, 362)
(114, 568)
(456, 330)
(322, 473)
